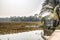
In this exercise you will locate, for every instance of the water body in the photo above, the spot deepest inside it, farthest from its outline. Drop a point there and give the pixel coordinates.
(31, 35)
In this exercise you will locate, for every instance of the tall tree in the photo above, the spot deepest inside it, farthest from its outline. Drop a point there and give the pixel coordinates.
(52, 6)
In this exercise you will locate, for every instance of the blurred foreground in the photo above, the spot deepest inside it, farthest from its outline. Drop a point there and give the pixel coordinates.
(31, 35)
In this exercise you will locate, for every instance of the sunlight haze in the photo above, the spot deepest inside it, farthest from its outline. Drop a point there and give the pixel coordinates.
(19, 7)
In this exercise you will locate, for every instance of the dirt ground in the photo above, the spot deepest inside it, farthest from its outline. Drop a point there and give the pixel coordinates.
(55, 35)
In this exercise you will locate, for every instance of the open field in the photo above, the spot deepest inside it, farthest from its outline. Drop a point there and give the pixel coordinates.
(14, 27)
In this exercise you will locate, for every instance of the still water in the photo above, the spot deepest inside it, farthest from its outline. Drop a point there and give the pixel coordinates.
(31, 35)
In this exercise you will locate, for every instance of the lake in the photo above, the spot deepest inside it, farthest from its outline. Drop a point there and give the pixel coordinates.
(31, 35)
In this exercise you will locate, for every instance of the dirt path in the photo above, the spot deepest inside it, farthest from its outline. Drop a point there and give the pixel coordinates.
(55, 35)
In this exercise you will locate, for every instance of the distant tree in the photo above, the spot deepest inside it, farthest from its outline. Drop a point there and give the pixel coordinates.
(36, 15)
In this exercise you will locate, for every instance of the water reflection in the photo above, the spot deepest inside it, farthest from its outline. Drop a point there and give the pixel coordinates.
(31, 35)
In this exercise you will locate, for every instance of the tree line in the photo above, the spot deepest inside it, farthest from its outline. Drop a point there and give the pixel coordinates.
(20, 19)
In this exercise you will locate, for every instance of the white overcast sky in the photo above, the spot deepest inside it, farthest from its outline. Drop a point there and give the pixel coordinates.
(20, 7)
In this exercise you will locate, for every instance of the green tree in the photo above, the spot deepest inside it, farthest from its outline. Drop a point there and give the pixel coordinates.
(52, 6)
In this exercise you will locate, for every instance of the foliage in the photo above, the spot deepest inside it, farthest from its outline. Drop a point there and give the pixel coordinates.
(52, 6)
(20, 19)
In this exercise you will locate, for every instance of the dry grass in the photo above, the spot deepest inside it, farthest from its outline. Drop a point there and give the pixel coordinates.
(14, 27)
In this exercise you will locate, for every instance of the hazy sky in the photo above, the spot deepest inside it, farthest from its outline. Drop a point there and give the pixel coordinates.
(19, 7)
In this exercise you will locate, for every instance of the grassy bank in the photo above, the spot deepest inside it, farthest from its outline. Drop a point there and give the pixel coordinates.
(14, 27)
